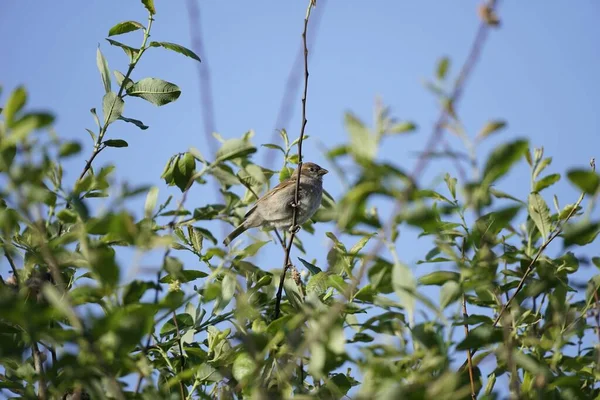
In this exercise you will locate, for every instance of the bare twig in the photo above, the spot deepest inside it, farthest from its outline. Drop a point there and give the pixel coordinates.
(597, 316)
(39, 369)
(286, 107)
(12, 266)
(465, 317)
(181, 355)
(295, 227)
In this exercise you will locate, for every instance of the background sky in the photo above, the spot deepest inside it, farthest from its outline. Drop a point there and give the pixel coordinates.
(539, 72)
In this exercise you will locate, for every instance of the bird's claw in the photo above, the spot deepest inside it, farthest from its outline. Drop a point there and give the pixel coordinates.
(294, 229)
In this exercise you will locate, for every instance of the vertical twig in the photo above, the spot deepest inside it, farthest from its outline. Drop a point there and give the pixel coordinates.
(181, 355)
(469, 359)
(292, 84)
(39, 369)
(12, 266)
(295, 227)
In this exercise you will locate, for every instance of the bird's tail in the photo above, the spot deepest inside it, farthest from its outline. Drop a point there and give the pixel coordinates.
(236, 232)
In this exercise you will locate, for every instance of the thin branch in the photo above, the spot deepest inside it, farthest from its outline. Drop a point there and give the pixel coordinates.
(286, 107)
(457, 91)
(39, 369)
(12, 266)
(295, 227)
(181, 355)
(530, 267)
(466, 325)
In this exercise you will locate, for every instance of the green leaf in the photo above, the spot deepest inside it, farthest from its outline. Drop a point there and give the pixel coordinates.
(120, 78)
(540, 214)
(363, 143)
(502, 159)
(311, 267)
(403, 127)
(442, 68)
(184, 170)
(586, 181)
(112, 107)
(115, 143)
(243, 367)
(150, 204)
(131, 52)
(149, 4)
(580, 233)
(136, 122)
(24, 126)
(68, 149)
(67, 216)
(184, 276)
(481, 336)
(545, 182)
(489, 128)
(14, 104)
(125, 27)
(596, 261)
(234, 148)
(318, 283)
(439, 278)
(154, 90)
(405, 285)
(450, 292)
(176, 48)
(103, 68)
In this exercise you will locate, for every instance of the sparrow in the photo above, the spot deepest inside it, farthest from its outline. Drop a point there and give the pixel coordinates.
(275, 209)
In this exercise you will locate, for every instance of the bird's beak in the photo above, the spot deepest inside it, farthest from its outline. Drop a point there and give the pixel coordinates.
(322, 172)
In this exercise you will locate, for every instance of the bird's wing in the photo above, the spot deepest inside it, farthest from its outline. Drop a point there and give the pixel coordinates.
(277, 189)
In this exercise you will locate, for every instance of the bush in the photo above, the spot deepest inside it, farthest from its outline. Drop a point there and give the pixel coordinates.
(360, 325)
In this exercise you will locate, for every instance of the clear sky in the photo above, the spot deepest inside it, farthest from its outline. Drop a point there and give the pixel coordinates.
(539, 72)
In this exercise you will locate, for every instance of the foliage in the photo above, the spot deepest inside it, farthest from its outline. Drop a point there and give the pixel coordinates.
(359, 324)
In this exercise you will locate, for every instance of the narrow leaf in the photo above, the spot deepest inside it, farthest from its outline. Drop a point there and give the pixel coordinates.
(176, 48)
(545, 182)
(125, 27)
(540, 214)
(136, 122)
(311, 267)
(151, 202)
(103, 68)
(442, 68)
(116, 143)
(502, 159)
(14, 104)
(489, 128)
(112, 107)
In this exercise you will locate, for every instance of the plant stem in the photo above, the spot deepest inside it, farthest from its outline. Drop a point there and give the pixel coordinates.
(295, 227)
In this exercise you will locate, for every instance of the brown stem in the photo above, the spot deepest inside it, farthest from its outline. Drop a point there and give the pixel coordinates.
(12, 266)
(39, 369)
(469, 358)
(295, 227)
(181, 356)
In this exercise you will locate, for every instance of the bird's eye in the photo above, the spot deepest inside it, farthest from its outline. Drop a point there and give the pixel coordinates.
(312, 169)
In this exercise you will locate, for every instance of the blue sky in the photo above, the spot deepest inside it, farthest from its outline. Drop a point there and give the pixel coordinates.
(539, 72)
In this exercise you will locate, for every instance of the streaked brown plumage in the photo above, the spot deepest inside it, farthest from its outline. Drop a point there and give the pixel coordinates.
(275, 208)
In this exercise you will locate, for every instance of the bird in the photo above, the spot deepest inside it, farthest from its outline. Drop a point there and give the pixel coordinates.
(275, 209)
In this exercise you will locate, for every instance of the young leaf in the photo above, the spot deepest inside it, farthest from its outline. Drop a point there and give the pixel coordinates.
(120, 78)
(234, 148)
(176, 48)
(540, 214)
(116, 143)
(311, 267)
(442, 68)
(149, 4)
(129, 51)
(154, 90)
(112, 107)
(489, 128)
(403, 127)
(125, 27)
(103, 68)
(363, 144)
(404, 285)
(502, 159)
(14, 104)
(580, 233)
(136, 122)
(150, 202)
(439, 278)
(449, 294)
(587, 181)
(68, 149)
(545, 182)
